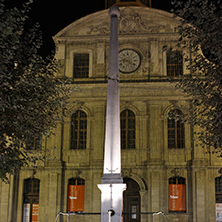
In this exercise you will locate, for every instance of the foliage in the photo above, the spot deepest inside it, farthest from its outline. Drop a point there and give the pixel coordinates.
(201, 32)
(30, 95)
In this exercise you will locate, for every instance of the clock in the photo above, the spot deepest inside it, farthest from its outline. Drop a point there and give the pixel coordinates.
(129, 61)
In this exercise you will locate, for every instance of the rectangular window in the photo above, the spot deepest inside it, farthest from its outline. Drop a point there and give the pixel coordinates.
(174, 63)
(81, 65)
(128, 132)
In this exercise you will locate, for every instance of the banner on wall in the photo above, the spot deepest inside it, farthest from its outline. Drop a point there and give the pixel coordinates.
(76, 196)
(218, 212)
(26, 212)
(35, 212)
(177, 197)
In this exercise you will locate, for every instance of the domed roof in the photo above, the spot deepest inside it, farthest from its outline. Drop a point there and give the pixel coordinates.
(133, 20)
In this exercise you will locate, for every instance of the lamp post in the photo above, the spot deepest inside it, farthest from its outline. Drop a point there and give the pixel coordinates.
(112, 186)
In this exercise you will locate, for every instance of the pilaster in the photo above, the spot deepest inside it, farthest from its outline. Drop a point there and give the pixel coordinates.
(155, 134)
(54, 194)
(199, 199)
(98, 123)
(4, 212)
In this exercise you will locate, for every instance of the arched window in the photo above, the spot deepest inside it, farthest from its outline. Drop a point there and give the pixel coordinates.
(174, 63)
(177, 194)
(128, 131)
(218, 189)
(176, 137)
(76, 195)
(76, 181)
(78, 130)
(31, 199)
(177, 180)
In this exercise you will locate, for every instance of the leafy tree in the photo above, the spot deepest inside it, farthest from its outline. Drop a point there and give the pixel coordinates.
(201, 32)
(30, 95)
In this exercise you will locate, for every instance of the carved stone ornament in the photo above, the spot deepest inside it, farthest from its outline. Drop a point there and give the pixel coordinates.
(126, 172)
(125, 103)
(201, 174)
(176, 172)
(131, 22)
(77, 173)
(100, 30)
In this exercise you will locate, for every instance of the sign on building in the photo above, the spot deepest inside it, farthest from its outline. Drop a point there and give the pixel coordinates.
(177, 197)
(218, 212)
(76, 196)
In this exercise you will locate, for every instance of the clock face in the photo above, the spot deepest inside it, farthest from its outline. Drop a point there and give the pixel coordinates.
(129, 61)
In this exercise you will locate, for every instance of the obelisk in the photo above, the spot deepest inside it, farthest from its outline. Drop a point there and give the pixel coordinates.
(112, 186)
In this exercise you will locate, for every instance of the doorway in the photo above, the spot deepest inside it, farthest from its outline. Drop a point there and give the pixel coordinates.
(131, 201)
(31, 200)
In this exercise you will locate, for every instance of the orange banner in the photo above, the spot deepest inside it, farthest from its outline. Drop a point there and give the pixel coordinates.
(76, 196)
(35, 212)
(177, 197)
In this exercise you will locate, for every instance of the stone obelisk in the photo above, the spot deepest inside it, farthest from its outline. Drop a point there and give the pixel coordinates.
(112, 186)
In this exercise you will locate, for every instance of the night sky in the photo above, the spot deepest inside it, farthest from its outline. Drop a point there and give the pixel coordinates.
(53, 16)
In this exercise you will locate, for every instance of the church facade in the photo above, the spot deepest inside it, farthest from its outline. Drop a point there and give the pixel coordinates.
(163, 166)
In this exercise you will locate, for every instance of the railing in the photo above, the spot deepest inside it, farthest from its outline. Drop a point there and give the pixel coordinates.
(110, 214)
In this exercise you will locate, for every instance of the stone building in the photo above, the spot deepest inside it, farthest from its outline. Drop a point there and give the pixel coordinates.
(162, 166)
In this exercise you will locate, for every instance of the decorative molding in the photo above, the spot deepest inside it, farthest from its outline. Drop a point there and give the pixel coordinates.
(126, 172)
(129, 105)
(176, 172)
(136, 177)
(77, 173)
(131, 22)
(201, 174)
(100, 30)
(126, 103)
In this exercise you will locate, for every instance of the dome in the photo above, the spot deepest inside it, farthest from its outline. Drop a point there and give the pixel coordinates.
(133, 20)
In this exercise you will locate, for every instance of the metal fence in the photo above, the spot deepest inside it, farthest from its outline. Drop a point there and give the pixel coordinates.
(110, 215)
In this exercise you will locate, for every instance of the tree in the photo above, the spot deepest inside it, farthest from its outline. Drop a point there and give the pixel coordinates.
(201, 32)
(30, 94)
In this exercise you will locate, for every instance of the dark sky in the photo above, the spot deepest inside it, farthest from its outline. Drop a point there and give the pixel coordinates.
(56, 15)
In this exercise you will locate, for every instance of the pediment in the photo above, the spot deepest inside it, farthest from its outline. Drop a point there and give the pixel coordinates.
(133, 20)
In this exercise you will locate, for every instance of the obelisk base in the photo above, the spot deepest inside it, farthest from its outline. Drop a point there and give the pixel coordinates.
(111, 178)
(111, 199)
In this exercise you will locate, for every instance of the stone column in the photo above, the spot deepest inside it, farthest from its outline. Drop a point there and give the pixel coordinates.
(112, 186)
